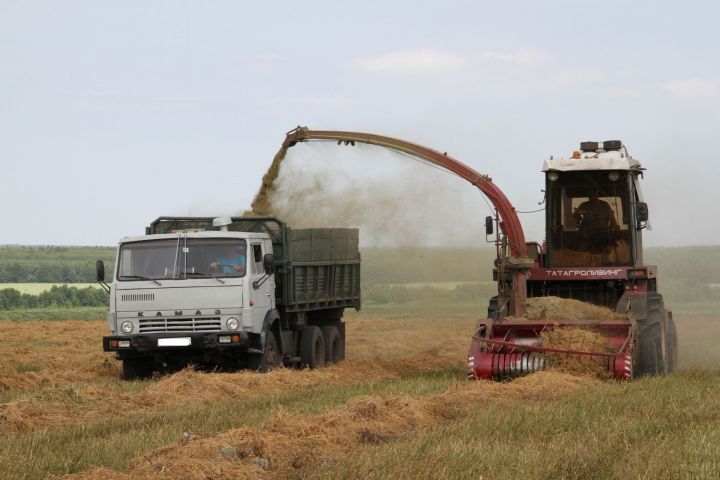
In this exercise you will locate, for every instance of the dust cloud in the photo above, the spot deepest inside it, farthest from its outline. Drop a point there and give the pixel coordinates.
(394, 200)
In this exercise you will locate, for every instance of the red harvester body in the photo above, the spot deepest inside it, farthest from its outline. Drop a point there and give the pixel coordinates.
(592, 252)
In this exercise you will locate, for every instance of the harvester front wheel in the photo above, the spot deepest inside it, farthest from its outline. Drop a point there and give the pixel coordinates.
(649, 357)
(493, 308)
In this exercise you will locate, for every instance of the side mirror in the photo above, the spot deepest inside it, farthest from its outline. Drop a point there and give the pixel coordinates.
(269, 263)
(642, 212)
(488, 225)
(100, 271)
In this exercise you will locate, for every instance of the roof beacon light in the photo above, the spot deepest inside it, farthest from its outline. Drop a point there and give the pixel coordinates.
(222, 222)
(589, 146)
(612, 144)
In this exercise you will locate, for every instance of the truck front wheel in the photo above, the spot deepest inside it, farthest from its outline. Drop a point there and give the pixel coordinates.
(312, 347)
(140, 368)
(270, 359)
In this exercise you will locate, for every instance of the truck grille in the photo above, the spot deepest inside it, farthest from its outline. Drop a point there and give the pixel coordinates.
(138, 297)
(179, 324)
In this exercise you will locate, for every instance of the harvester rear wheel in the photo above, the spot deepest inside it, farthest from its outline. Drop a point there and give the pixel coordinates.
(671, 349)
(649, 357)
(312, 347)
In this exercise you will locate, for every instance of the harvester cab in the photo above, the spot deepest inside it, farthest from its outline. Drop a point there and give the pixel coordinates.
(595, 213)
(595, 217)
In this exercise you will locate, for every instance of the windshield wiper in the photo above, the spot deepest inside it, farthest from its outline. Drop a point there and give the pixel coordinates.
(139, 277)
(204, 274)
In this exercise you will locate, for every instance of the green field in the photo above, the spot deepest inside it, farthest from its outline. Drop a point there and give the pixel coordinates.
(35, 288)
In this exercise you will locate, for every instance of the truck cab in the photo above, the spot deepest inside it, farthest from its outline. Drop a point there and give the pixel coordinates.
(224, 292)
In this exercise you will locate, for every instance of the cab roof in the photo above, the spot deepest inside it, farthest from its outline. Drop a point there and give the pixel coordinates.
(594, 157)
(195, 234)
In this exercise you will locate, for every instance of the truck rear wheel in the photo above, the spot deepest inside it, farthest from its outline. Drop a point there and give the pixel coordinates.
(312, 347)
(649, 358)
(334, 346)
(270, 359)
(140, 368)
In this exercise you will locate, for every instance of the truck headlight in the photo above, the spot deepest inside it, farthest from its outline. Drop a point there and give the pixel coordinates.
(232, 323)
(126, 326)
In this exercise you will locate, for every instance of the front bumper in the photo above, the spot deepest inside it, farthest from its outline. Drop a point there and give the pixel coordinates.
(148, 344)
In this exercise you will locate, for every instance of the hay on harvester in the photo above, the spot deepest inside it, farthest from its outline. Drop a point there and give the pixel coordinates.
(555, 311)
(577, 339)
(567, 309)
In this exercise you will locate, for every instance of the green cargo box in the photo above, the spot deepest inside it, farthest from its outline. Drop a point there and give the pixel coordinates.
(316, 268)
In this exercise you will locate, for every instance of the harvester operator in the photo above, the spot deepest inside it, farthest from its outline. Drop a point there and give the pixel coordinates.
(595, 219)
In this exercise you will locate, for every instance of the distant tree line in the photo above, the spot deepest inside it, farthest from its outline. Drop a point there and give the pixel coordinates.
(56, 296)
(52, 264)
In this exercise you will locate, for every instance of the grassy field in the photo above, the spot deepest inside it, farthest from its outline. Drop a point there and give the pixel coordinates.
(399, 407)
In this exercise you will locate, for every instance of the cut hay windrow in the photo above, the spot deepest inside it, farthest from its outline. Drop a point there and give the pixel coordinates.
(190, 388)
(87, 388)
(293, 446)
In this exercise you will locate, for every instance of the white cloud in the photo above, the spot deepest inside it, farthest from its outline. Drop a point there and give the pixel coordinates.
(437, 61)
(522, 57)
(315, 101)
(693, 88)
(416, 61)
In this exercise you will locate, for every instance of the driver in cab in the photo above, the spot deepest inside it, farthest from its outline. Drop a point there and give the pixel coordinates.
(230, 261)
(595, 218)
(595, 214)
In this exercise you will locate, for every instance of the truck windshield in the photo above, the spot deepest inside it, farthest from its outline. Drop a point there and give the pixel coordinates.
(182, 258)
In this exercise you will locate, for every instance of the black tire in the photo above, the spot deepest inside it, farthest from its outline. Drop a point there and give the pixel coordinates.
(140, 368)
(270, 359)
(671, 348)
(312, 347)
(334, 345)
(493, 308)
(649, 357)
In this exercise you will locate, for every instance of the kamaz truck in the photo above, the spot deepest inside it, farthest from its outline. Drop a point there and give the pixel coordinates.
(230, 292)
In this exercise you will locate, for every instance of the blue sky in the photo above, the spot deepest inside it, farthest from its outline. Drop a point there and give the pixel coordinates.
(113, 113)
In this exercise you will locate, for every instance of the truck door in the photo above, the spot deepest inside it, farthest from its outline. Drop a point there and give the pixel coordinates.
(263, 296)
